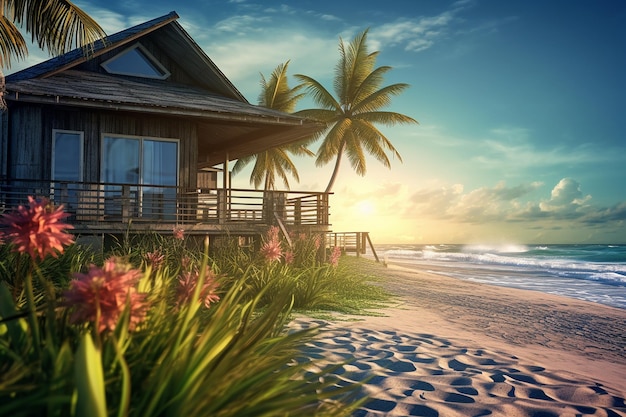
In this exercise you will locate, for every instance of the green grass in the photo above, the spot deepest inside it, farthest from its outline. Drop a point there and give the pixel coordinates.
(355, 290)
(236, 358)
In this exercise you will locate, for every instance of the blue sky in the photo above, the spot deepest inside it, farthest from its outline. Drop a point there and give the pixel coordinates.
(521, 107)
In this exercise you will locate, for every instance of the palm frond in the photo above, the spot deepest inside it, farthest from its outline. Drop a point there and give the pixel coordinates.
(355, 154)
(56, 25)
(318, 93)
(275, 92)
(332, 143)
(379, 99)
(376, 142)
(370, 84)
(242, 163)
(259, 171)
(299, 148)
(323, 115)
(354, 66)
(385, 118)
(12, 44)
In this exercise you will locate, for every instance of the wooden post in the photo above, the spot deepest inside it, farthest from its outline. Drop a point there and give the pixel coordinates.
(372, 246)
(125, 203)
(297, 211)
(221, 206)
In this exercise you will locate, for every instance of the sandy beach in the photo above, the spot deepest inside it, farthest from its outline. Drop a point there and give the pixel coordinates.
(457, 348)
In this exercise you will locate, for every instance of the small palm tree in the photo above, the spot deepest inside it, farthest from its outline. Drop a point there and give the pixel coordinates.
(351, 117)
(275, 163)
(56, 25)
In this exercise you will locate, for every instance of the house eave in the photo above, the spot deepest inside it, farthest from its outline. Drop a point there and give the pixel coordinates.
(156, 110)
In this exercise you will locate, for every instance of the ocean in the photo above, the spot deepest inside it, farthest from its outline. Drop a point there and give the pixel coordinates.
(595, 273)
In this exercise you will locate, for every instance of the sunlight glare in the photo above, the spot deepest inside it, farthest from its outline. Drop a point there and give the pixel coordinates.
(365, 207)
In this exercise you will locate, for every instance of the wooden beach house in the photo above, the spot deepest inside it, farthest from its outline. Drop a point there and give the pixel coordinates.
(136, 134)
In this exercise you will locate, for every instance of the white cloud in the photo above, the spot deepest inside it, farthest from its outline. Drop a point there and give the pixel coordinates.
(566, 198)
(421, 33)
(240, 25)
(502, 203)
(515, 148)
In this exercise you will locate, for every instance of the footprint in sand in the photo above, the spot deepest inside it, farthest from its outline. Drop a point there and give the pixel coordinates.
(424, 375)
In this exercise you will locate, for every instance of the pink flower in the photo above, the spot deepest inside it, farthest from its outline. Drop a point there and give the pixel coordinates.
(289, 257)
(155, 259)
(335, 254)
(105, 292)
(317, 241)
(272, 233)
(37, 229)
(188, 282)
(271, 250)
(179, 233)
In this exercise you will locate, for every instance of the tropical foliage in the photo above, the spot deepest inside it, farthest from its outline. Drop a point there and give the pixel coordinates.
(154, 326)
(55, 25)
(275, 164)
(352, 115)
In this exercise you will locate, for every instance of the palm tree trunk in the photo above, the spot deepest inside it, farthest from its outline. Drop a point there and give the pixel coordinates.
(333, 177)
(3, 103)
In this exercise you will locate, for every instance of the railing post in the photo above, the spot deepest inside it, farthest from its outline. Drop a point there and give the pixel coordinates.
(363, 241)
(221, 206)
(297, 211)
(125, 203)
(322, 209)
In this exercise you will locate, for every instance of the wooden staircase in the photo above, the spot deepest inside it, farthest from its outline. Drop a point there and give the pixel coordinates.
(351, 242)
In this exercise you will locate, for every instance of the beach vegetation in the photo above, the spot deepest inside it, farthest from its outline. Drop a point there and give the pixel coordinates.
(351, 115)
(162, 325)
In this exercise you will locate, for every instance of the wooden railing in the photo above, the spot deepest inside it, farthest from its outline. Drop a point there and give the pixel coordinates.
(100, 203)
(356, 242)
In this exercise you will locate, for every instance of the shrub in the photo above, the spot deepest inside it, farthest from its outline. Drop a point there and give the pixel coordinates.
(122, 338)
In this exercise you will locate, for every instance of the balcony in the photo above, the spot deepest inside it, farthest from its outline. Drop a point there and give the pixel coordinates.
(97, 208)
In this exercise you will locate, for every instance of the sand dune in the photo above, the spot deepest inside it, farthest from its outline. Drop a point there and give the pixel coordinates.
(516, 353)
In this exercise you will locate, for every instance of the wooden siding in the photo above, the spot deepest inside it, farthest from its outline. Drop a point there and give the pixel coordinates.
(26, 153)
(29, 153)
(4, 144)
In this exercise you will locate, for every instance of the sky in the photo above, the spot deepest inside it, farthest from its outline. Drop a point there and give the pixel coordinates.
(521, 107)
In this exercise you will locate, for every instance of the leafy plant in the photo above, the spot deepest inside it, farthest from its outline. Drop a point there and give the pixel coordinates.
(123, 339)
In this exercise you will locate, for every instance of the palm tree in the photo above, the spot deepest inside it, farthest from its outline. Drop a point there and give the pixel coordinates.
(275, 163)
(351, 117)
(56, 25)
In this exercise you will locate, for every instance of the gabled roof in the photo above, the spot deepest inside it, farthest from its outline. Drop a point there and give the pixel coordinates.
(175, 41)
(228, 125)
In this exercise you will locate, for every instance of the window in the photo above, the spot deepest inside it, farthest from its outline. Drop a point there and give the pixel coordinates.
(67, 167)
(143, 173)
(67, 155)
(136, 61)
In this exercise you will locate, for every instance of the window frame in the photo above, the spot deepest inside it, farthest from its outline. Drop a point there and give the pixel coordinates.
(142, 49)
(81, 153)
(141, 140)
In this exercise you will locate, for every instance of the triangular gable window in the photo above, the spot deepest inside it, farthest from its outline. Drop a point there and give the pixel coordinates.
(136, 61)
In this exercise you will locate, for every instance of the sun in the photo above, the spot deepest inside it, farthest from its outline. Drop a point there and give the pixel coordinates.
(365, 207)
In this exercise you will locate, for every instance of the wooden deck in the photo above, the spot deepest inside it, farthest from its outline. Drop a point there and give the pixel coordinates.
(100, 208)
